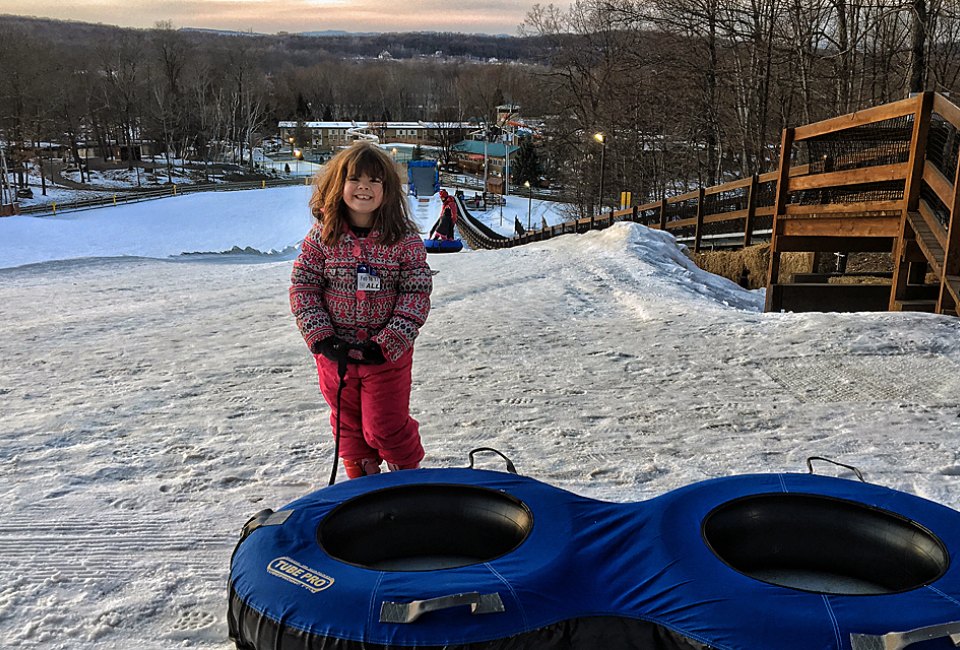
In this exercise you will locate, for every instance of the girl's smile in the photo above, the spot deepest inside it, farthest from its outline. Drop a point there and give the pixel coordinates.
(363, 196)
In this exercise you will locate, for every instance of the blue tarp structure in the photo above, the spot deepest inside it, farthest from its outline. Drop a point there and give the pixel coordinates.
(423, 177)
(592, 574)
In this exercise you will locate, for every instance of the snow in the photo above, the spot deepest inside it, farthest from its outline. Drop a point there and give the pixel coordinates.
(154, 401)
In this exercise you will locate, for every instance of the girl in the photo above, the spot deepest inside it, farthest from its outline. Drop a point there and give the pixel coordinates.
(448, 218)
(360, 291)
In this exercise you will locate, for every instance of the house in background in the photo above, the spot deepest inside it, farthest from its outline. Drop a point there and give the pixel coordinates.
(470, 154)
(327, 137)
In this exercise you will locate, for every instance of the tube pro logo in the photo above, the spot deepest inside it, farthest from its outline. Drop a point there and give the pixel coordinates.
(292, 571)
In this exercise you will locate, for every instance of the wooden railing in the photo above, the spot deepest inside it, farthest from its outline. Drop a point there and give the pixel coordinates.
(883, 179)
(735, 214)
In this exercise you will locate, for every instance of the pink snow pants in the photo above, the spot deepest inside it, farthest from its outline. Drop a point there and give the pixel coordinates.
(375, 417)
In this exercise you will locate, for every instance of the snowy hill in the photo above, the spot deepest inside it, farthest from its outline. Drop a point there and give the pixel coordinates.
(152, 404)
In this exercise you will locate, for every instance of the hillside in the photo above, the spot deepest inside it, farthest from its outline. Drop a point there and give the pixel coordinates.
(303, 48)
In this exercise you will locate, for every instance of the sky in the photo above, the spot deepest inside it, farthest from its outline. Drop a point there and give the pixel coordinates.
(156, 394)
(271, 16)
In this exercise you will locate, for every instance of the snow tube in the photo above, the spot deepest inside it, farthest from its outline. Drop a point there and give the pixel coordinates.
(459, 558)
(443, 245)
(799, 561)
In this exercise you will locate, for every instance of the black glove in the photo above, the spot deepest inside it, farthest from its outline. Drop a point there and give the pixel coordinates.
(332, 347)
(371, 352)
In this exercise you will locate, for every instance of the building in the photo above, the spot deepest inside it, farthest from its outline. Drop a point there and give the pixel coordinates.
(326, 137)
(470, 154)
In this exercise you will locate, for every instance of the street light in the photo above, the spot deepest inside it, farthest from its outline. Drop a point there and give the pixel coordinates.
(526, 184)
(291, 140)
(599, 137)
(298, 155)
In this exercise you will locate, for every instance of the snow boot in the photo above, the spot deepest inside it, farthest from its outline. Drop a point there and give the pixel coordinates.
(362, 467)
(393, 467)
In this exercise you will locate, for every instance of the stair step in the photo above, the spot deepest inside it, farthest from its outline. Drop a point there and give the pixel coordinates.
(953, 285)
(927, 240)
(916, 305)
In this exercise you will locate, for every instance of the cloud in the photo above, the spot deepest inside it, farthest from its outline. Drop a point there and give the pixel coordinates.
(270, 16)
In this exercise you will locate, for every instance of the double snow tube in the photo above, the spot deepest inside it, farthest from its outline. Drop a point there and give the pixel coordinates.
(464, 558)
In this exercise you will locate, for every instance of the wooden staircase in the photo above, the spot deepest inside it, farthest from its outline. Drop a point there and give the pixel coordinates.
(924, 248)
(901, 196)
(921, 252)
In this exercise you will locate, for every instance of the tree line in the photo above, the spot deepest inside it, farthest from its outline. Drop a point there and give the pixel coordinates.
(695, 92)
(214, 96)
(686, 92)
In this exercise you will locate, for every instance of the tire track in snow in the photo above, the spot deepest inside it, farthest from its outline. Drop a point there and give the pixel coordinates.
(105, 546)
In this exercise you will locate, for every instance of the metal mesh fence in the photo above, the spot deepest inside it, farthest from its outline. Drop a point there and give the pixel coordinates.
(941, 211)
(943, 142)
(728, 201)
(766, 194)
(880, 143)
(733, 226)
(763, 223)
(682, 210)
(860, 193)
(649, 217)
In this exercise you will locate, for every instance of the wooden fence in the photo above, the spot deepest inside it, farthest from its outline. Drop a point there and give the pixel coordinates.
(883, 179)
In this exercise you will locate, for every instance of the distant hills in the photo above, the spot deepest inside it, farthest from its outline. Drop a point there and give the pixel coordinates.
(323, 43)
(336, 32)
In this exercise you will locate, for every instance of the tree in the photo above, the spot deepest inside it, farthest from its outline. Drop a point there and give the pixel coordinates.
(526, 164)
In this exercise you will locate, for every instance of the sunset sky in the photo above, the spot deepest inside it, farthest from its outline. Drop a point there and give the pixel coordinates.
(271, 16)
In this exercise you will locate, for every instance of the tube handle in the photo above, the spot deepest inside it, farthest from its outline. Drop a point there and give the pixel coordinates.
(510, 466)
(900, 640)
(391, 612)
(830, 460)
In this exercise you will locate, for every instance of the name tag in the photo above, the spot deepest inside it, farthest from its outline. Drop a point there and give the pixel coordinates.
(367, 279)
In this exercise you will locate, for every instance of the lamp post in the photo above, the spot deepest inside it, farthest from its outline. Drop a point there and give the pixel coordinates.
(599, 137)
(298, 155)
(486, 166)
(526, 184)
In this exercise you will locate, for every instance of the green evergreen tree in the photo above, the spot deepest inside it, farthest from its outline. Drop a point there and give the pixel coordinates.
(526, 164)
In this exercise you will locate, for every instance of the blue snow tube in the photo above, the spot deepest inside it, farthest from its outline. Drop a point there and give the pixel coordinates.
(443, 245)
(457, 558)
(800, 561)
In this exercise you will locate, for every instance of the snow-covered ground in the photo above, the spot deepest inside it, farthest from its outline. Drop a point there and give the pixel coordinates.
(151, 404)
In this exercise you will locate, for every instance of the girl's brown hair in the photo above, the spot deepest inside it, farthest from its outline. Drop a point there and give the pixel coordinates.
(392, 220)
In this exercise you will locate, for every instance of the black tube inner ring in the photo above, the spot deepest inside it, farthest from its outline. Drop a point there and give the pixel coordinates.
(425, 527)
(824, 544)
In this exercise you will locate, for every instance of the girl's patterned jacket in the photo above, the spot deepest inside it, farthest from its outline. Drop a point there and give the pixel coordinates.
(325, 300)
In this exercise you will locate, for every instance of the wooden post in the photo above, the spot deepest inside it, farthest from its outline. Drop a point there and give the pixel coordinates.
(779, 208)
(751, 210)
(951, 252)
(698, 233)
(816, 260)
(663, 213)
(911, 195)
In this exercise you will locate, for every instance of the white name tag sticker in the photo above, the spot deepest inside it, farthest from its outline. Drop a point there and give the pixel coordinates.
(367, 279)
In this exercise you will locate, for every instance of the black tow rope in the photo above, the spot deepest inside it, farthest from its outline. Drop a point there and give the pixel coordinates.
(342, 373)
